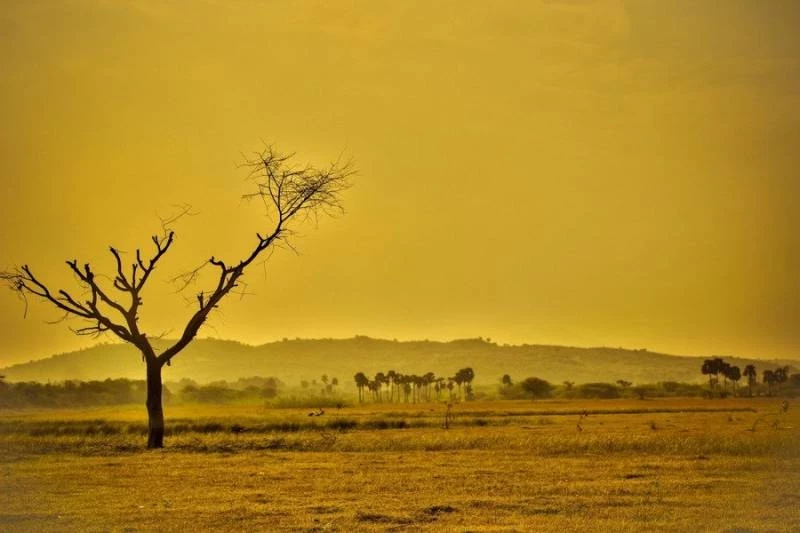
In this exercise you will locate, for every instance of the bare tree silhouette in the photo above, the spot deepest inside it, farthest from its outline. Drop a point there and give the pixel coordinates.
(290, 194)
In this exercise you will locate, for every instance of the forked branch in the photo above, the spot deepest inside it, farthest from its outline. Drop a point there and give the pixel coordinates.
(101, 311)
(290, 195)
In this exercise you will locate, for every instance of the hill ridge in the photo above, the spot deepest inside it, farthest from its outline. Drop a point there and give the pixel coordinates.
(210, 359)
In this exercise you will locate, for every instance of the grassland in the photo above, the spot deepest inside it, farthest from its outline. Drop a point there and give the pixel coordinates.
(614, 465)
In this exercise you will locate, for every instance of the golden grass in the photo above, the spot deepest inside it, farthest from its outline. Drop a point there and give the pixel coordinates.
(672, 470)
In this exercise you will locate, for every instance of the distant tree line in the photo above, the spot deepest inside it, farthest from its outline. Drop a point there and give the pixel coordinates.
(121, 391)
(723, 380)
(773, 380)
(396, 387)
(245, 390)
(73, 393)
(535, 388)
(328, 388)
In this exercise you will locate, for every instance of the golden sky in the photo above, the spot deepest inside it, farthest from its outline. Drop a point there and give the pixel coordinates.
(567, 172)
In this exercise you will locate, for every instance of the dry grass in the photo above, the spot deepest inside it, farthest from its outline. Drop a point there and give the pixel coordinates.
(670, 465)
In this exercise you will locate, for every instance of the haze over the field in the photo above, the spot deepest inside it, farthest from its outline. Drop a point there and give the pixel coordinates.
(562, 172)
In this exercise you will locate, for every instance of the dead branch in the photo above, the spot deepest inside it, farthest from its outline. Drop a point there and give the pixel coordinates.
(290, 195)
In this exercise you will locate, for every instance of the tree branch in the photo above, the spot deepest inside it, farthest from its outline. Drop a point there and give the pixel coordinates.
(25, 282)
(289, 193)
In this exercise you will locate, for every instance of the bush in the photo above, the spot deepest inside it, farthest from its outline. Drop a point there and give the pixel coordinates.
(385, 424)
(537, 387)
(646, 391)
(512, 392)
(342, 424)
(598, 390)
(74, 393)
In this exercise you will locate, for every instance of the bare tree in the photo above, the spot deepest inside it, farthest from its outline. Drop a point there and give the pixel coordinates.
(290, 194)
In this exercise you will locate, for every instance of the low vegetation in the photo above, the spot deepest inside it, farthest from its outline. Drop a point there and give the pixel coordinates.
(126, 391)
(389, 387)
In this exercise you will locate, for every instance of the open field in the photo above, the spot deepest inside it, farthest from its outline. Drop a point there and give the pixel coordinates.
(656, 465)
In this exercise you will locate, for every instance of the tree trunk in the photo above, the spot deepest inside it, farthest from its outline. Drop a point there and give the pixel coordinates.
(155, 410)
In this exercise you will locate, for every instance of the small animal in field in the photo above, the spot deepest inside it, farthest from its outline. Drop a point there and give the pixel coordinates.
(318, 412)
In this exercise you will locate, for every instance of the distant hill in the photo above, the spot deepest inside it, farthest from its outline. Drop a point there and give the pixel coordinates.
(207, 360)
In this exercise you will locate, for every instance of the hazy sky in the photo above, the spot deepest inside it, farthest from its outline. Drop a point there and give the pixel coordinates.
(572, 172)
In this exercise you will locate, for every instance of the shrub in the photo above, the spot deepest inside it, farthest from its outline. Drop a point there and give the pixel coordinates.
(342, 424)
(598, 390)
(537, 387)
(385, 424)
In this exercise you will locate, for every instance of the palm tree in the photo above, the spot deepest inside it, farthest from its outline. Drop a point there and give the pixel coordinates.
(375, 387)
(418, 383)
(380, 379)
(397, 382)
(465, 375)
(458, 381)
(440, 386)
(734, 374)
(751, 374)
(469, 374)
(712, 367)
(406, 387)
(724, 369)
(391, 376)
(768, 377)
(781, 375)
(361, 382)
(427, 379)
